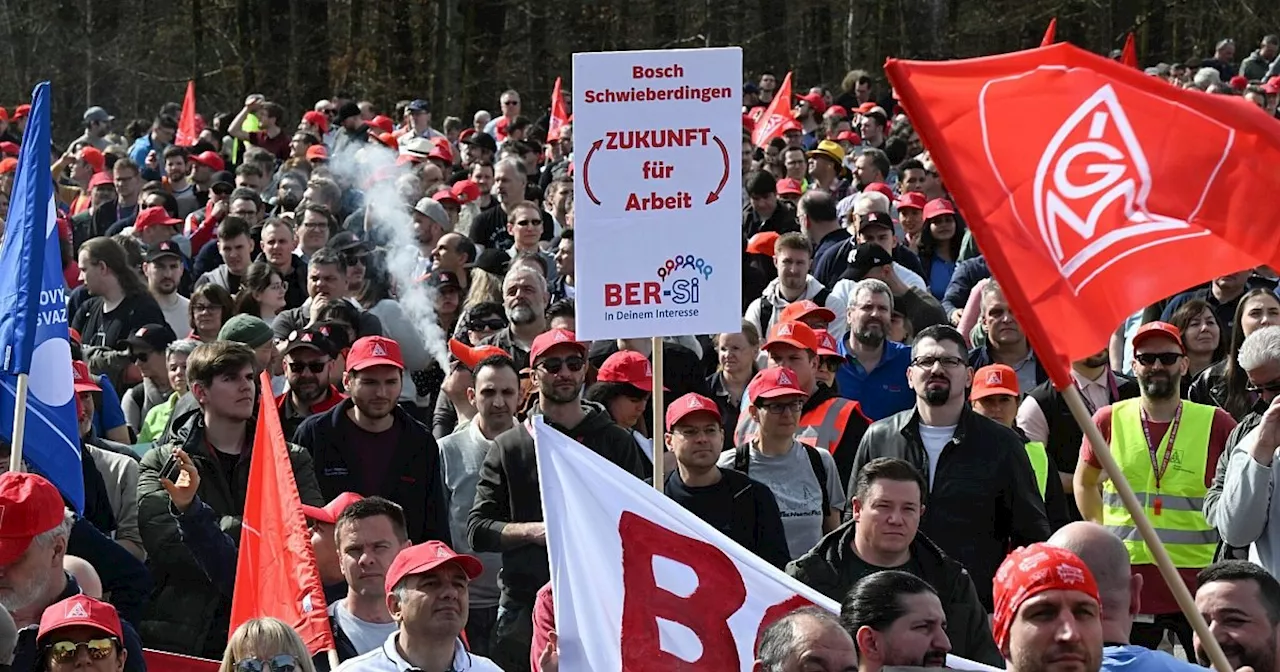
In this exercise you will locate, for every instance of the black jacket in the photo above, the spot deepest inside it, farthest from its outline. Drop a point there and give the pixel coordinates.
(508, 492)
(783, 220)
(414, 480)
(983, 500)
(824, 570)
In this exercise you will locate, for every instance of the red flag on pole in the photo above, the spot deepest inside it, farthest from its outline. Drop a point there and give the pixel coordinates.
(559, 117)
(1092, 209)
(1050, 33)
(1129, 55)
(769, 125)
(187, 125)
(276, 574)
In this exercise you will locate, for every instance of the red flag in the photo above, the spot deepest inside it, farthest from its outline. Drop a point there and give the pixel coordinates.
(276, 574)
(559, 117)
(1050, 33)
(1093, 207)
(1129, 55)
(161, 661)
(188, 130)
(769, 125)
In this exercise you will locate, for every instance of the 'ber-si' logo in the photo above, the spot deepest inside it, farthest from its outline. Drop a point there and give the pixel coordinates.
(1092, 197)
(679, 282)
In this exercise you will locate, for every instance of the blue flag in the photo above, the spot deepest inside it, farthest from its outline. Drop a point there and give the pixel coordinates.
(33, 317)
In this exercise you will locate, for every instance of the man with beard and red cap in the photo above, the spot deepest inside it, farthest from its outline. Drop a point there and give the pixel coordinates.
(1168, 449)
(1048, 614)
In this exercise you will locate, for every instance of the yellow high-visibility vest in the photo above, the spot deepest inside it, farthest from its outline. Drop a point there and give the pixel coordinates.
(1039, 464)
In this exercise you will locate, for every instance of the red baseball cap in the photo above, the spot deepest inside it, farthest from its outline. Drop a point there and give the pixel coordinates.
(470, 356)
(795, 334)
(101, 179)
(838, 111)
(627, 366)
(156, 216)
(796, 311)
(849, 136)
(689, 404)
(317, 119)
(210, 160)
(315, 152)
(867, 107)
(30, 506)
(466, 133)
(80, 610)
(1272, 86)
(827, 346)
(788, 186)
(388, 140)
(383, 123)
(444, 196)
(992, 380)
(466, 191)
(427, 556)
(815, 101)
(774, 382)
(329, 512)
(880, 187)
(1152, 330)
(937, 207)
(22, 111)
(792, 125)
(912, 200)
(83, 380)
(763, 242)
(550, 339)
(374, 351)
(8, 165)
(93, 156)
(441, 152)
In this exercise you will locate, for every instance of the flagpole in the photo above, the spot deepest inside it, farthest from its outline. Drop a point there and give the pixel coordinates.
(19, 424)
(658, 428)
(333, 659)
(1167, 571)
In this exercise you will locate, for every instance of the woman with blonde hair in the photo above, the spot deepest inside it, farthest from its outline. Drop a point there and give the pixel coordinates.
(736, 354)
(265, 645)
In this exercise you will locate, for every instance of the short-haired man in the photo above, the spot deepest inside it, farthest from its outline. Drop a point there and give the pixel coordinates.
(326, 281)
(270, 136)
(455, 253)
(235, 245)
(1241, 603)
(34, 535)
(163, 130)
(369, 533)
(495, 396)
(507, 515)
(147, 348)
(874, 372)
(82, 633)
(427, 598)
(1187, 440)
(163, 270)
(510, 178)
(153, 225)
(278, 243)
(1006, 342)
(888, 502)
(791, 257)
(321, 520)
(982, 493)
(188, 612)
(524, 225)
(1106, 557)
(368, 444)
(565, 285)
(525, 298)
(176, 171)
(743, 509)
(809, 638)
(896, 619)
(913, 305)
(819, 221)
(764, 212)
(308, 357)
(1048, 612)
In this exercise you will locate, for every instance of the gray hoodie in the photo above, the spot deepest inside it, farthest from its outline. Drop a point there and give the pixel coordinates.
(1243, 513)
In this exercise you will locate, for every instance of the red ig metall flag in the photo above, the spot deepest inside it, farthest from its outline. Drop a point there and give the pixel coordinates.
(188, 127)
(769, 124)
(276, 573)
(1093, 189)
(559, 117)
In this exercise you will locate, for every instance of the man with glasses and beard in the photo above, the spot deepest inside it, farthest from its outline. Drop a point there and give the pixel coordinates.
(308, 356)
(896, 619)
(874, 372)
(1167, 449)
(1238, 504)
(1241, 603)
(507, 515)
(983, 497)
(524, 297)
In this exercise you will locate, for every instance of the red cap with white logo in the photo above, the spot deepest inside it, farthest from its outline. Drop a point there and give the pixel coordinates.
(628, 366)
(827, 346)
(550, 339)
(374, 351)
(689, 404)
(773, 383)
(427, 556)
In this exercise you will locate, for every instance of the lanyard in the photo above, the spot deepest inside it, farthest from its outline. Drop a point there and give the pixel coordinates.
(1152, 449)
(1113, 392)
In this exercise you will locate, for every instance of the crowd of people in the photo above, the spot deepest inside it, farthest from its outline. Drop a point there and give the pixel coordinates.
(878, 426)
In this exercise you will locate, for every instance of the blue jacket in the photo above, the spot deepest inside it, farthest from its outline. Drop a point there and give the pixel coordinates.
(967, 274)
(882, 392)
(139, 151)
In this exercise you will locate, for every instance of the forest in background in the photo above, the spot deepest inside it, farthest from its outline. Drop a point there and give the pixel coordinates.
(132, 56)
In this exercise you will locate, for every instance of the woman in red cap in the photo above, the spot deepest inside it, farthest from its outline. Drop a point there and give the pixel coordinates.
(623, 386)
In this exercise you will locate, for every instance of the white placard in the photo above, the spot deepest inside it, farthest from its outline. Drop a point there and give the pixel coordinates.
(657, 141)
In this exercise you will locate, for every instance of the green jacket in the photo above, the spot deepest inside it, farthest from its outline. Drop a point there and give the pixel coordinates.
(188, 614)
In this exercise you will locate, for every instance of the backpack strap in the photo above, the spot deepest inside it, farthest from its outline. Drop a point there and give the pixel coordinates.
(819, 470)
(742, 458)
(766, 314)
(821, 297)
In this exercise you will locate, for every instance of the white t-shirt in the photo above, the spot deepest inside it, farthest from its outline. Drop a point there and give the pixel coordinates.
(935, 439)
(176, 314)
(364, 636)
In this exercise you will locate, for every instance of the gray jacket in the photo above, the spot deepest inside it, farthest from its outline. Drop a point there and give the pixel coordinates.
(1242, 513)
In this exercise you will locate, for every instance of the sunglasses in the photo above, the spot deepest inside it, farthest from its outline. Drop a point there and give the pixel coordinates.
(1166, 358)
(281, 663)
(66, 651)
(553, 365)
(1272, 387)
(355, 259)
(487, 325)
(313, 367)
(528, 222)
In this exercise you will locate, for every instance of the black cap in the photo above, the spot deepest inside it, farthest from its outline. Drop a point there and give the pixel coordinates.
(871, 219)
(419, 105)
(865, 257)
(493, 261)
(349, 109)
(339, 338)
(315, 339)
(440, 279)
(481, 140)
(165, 248)
(225, 179)
(346, 241)
(154, 336)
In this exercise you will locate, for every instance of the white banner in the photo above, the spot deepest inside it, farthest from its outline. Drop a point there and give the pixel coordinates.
(642, 584)
(658, 192)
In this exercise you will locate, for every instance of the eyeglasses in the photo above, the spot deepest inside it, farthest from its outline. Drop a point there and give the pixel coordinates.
(691, 433)
(528, 222)
(928, 362)
(65, 651)
(278, 286)
(331, 112)
(782, 406)
(1272, 387)
(510, 102)
(203, 308)
(554, 364)
(281, 663)
(1150, 358)
(313, 367)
